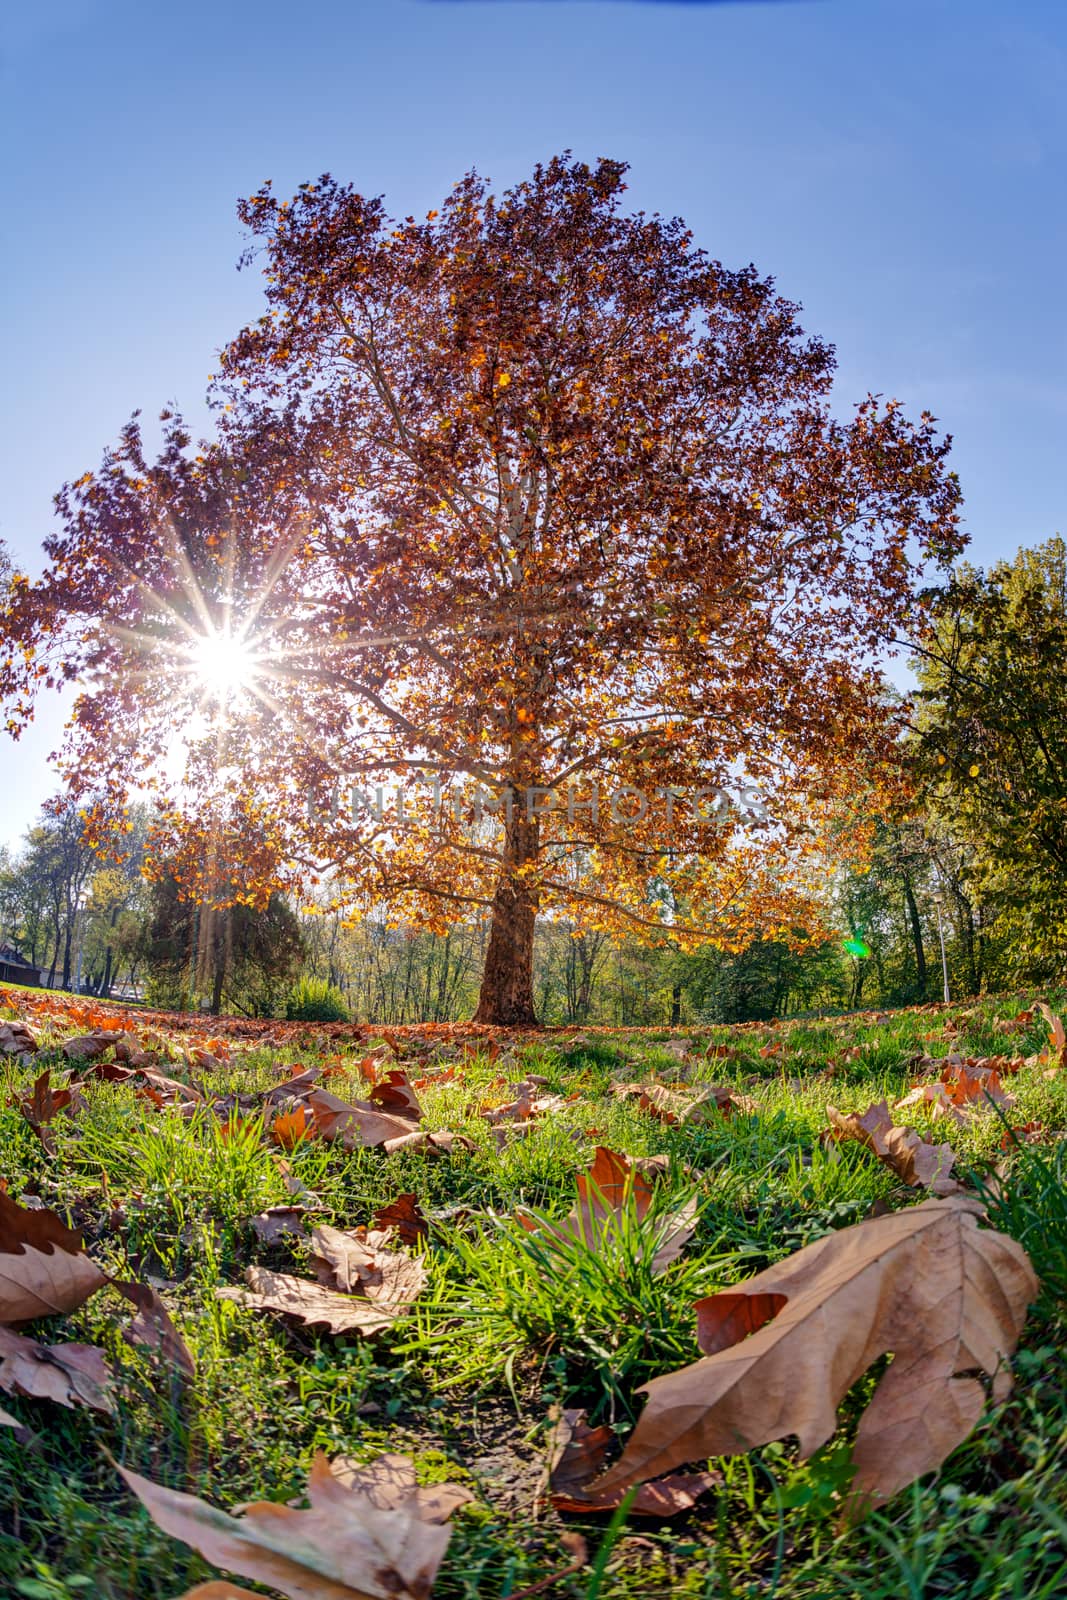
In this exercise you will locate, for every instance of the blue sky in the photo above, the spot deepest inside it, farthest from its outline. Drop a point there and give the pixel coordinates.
(896, 164)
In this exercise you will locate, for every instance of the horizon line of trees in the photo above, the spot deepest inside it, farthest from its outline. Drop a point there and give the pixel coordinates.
(978, 853)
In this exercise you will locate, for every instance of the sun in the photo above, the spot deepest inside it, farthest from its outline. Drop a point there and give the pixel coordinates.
(224, 665)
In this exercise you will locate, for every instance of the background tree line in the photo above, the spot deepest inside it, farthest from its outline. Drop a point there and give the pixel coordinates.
(979, 846)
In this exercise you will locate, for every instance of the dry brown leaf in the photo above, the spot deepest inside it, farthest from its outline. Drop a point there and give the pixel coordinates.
(1056, 1029)
(307, 1301)
(945, 1298)
(578, 1453)
(901, 1149)
(395, 1095)
(612, 1185)
(363, 1286)
(40, 1104)
(87, 1046)
(678, 1105)
(354, 1124)
(152, 1327)
(404, 1216)
(218, 1589)
(527, 1102)
(43, 1269)
(440, 1143)
(171, 1091)
(69, 1374)
(279, 1223)
(361, 1263)
(369, 1534)
(16, 1039)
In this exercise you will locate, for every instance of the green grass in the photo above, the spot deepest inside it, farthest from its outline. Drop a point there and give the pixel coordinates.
(512, 1323)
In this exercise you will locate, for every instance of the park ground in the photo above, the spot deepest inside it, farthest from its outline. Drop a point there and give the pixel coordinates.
(164, 1187)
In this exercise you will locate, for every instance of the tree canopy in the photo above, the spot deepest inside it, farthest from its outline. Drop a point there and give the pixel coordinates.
(525, 505)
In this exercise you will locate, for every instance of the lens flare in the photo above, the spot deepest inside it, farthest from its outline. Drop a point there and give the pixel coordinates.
(224, 665)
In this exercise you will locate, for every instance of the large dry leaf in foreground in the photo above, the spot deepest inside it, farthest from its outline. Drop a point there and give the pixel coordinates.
(945, 1298)
(43, 1268)
(612, 1191)
(369, 1534)
(901, 1149)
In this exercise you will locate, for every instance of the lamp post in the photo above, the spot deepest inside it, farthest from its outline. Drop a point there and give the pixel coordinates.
(938, 899)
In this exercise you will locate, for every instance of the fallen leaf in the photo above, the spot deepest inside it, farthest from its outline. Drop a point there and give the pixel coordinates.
(86, 1047)
(42, 1103)
(945, 1298)
(44, 1270)
(289, 1128)
(370, 1535)
(678, 1106)
(578, 1453)
(363, 1287)
(613, 1188)
(278, 1223)
(69, 1374)
(153, 1329)
(395, 1095)
(1056, 1028)
(901, 1149)
(354, 1124)
(16, 1039)
(441, 1143)
(405, 1217)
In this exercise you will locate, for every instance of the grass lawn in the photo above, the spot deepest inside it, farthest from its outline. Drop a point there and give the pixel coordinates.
(502, 1333)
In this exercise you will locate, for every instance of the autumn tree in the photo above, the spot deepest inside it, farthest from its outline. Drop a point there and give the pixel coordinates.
(534, 515)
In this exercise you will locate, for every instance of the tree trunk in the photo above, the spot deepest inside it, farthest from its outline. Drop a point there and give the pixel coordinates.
(916, 934)
(506, 999)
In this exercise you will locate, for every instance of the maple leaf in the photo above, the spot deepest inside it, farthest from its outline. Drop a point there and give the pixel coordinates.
(362, 1286)
(289, 1128)
(44, 1270)
(611, 1194)
(438, 1143)
(69, 1374)
(528, 1103)
(945, 1298)
(278, 1223)
(394, 1094)
(369, 1532)
(901, 1149)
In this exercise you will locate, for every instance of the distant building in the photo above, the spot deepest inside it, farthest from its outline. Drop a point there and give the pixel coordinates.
(14, 968)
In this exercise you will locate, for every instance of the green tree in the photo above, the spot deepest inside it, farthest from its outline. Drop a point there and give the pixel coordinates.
(232, 954)
(992, 750)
